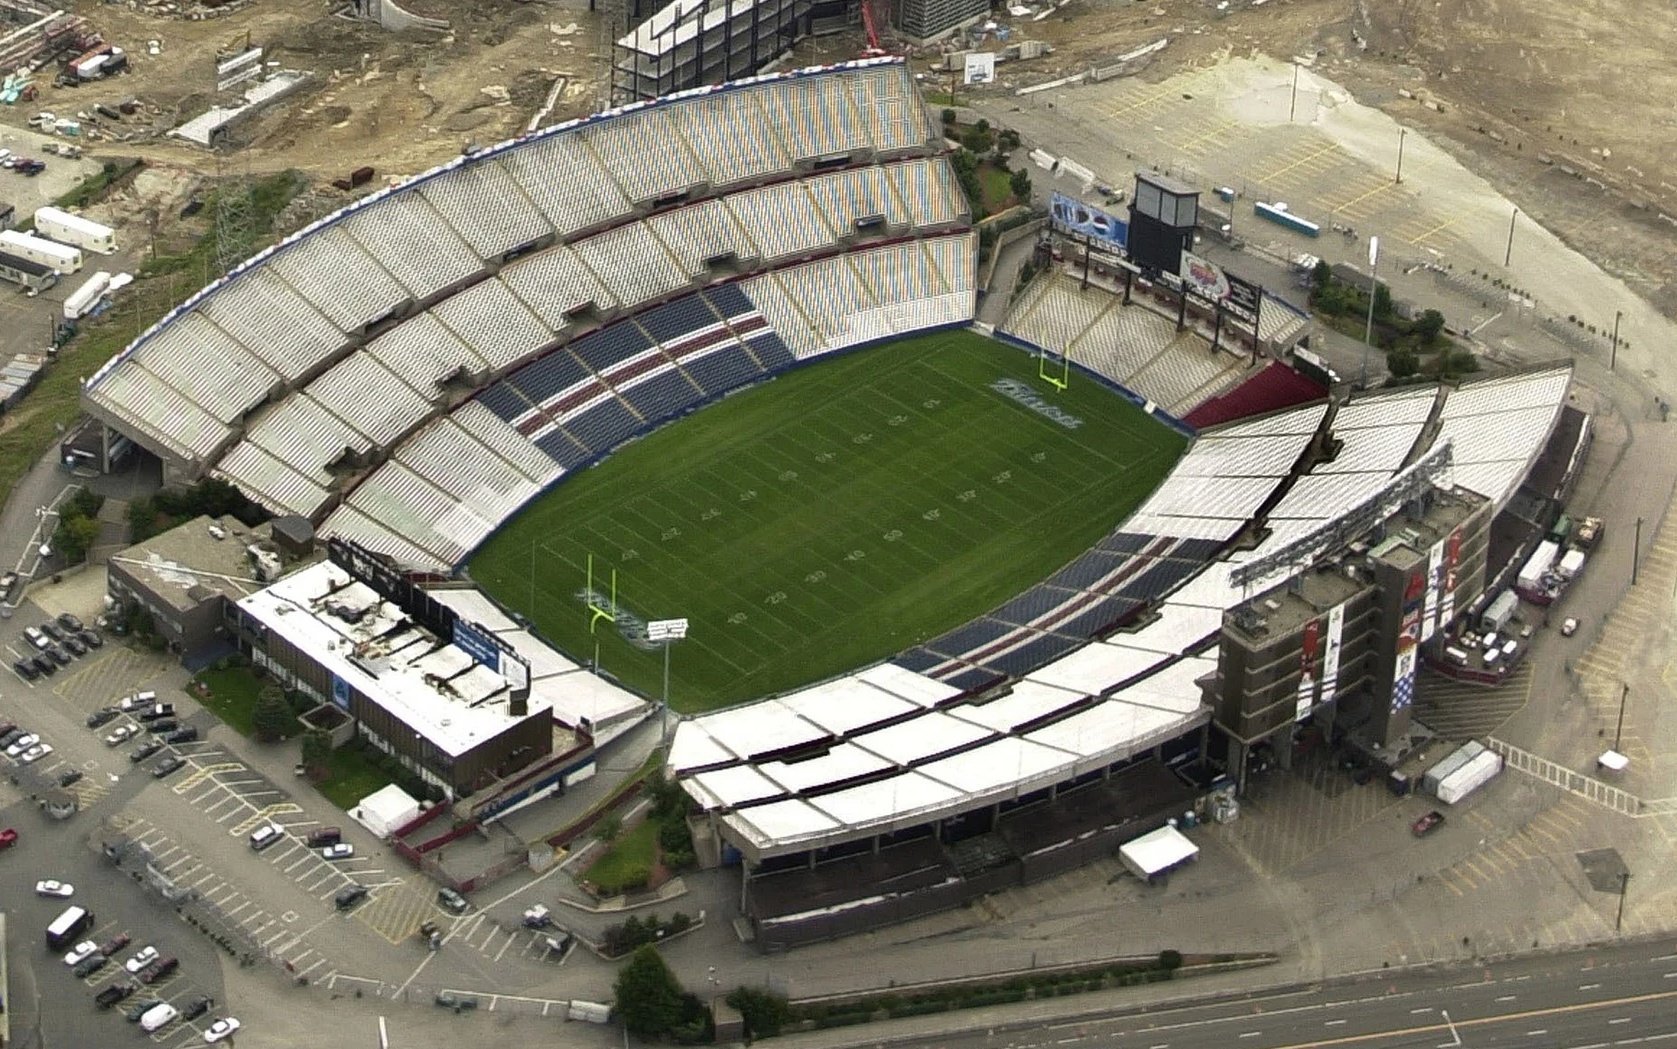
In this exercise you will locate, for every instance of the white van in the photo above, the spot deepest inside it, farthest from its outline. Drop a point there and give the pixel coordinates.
(1508, 647)
(265, 835)
(157, 1016)
(1492, 656)
(1456, 656)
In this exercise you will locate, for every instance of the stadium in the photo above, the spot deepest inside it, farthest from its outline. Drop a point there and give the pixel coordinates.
(981, 576)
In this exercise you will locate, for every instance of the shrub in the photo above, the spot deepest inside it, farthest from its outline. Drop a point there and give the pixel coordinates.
(764, 1012)
(673, 836)
(948, 117)
(679, 922)
(609, 827)
(1170, 960)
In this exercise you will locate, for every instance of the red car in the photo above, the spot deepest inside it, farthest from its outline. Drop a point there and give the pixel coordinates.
(1427, 824)
(8, 838)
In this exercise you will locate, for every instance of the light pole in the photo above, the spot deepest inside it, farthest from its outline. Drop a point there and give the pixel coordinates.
(1624, 890)
(1509, 254)
(1401, 133)
(1373, 290)
(1613, 360)
(1293, 108)
(1619, 730)
(667, 631)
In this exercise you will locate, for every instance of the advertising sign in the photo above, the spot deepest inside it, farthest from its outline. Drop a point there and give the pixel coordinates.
(981, 67)
(1204, 278)
(478, 643)
(1071, 215)
(1307, 669)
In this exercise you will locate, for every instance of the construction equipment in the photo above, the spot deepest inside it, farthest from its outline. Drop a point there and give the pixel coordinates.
(871, 21)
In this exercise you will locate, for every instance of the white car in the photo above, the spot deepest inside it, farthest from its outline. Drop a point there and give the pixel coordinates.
(1569, 627)
(22, 744)
(160, 1014)
(145, 957)
(62, 890)
(121, 733)
(35, 753)
(343, 850)
(81, 951)
(222, 1028)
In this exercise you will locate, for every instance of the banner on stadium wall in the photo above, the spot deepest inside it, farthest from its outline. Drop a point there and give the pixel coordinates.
(1070, 215)
(1330, 659)
(1409, 637)
(1435, 591)
(1307, 669)
(1452, 564)
(980, 67)
(1403, 681)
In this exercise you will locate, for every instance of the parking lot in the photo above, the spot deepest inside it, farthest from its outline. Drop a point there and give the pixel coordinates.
(180, 988)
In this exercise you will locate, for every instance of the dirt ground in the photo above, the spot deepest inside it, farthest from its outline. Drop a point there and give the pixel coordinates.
(1565, 108)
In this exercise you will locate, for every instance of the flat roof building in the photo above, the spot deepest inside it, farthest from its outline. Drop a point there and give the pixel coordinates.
(452, 720)
(185, 578)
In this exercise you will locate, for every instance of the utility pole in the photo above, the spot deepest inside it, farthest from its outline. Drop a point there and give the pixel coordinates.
(1613, 360)
(1619, 730)
(1293, 108)
(1509, 254)
(1636, 552)
(1401, 133)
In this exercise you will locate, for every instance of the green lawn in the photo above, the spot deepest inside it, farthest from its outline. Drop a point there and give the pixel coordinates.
(631, 852)
(232, 698)
(829, 518)
(350, 777)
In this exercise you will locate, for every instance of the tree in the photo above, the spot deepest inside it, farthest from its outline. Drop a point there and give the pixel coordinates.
(272, 718)
(1429, 324)
(316, 750)
(1322, 275)
(74, 537)
(764, 1012)
(948, 117)
(1382, 300)
(1020, 184)
(647, 995)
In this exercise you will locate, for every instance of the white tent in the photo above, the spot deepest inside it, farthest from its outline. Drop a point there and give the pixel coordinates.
(383, 811)
(1157, 853)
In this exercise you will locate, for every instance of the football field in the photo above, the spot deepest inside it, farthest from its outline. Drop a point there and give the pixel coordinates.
(828, 518)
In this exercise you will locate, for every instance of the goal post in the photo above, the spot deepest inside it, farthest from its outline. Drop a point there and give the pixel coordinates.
(598, 609)
(1054, 368)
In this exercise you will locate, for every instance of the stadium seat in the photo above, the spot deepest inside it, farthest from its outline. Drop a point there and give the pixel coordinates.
(410, 239)
(483, 203)
(729, 137)
(337, 277)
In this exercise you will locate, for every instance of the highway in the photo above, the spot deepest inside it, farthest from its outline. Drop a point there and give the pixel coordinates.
(1596, 999)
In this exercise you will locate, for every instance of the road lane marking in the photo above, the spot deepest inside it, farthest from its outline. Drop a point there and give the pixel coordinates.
(1620, 1020)
(1506, 998)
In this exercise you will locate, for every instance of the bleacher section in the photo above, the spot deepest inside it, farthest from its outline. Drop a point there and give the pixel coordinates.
(568, 197)
(1131, 345)
(1498, 427)
(1272, 388)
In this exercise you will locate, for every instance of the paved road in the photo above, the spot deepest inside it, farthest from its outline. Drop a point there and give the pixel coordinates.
(1619, 996)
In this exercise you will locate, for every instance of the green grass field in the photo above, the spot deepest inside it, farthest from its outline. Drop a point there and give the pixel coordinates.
(829, 518)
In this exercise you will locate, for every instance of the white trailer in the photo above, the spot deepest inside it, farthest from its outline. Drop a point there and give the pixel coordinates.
(75, 231)
(1442, 771)
(1539, 562)
(40, 250)
(81, 301)
(1470, 777)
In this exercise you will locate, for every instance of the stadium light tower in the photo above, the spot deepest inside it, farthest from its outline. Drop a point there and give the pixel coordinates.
(1373, 290)
(666, 631)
